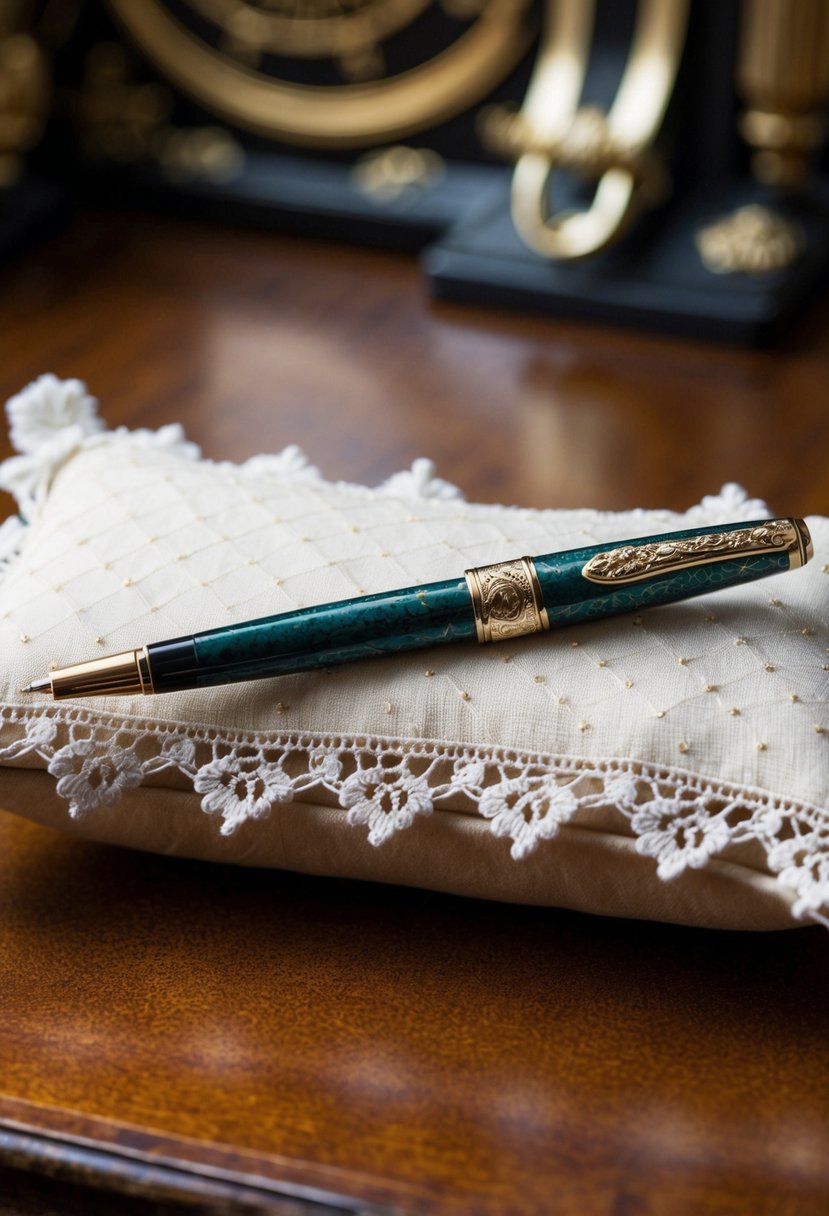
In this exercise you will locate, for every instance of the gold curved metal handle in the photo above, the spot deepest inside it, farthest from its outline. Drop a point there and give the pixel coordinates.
(613, 149)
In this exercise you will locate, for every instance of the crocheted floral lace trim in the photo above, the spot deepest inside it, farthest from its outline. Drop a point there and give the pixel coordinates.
(384, 785)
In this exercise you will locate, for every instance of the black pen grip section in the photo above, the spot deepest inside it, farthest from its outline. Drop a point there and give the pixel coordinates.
(172, 664)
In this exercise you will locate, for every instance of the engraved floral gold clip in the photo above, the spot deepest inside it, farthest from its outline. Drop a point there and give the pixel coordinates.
(630, 563)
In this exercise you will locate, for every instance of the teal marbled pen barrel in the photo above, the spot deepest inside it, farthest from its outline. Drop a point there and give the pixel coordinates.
(321, 636)
(501, 601)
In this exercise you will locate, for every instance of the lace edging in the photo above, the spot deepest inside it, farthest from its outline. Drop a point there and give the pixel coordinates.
(679, 819)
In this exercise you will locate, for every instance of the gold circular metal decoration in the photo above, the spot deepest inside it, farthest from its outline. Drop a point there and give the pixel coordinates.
(243, 60)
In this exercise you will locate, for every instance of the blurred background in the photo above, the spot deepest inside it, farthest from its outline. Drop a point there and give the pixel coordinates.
(541, 243)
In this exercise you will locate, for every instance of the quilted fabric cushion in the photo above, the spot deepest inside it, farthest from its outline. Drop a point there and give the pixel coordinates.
(670, 764)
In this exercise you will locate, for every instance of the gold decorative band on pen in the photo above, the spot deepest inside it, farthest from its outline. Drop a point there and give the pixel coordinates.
(630, 563)
(506, 600)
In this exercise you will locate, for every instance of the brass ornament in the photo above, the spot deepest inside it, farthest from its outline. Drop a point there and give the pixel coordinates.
(231, 72)
(783, 75)
(587, 147)
(119, 120)
(397, 172)
(126, 122)
(345, 30)
(751, 240)
(631, 563)
(24, 97)
(209, 154)
(614, 150)
(506, 600)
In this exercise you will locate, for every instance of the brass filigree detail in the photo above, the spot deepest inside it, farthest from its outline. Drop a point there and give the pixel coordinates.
(348, 31)
(587, 146)
(397, 172)
(751, 240)
(629, 563)
(127, 122)
(506, 600)
(120, 120)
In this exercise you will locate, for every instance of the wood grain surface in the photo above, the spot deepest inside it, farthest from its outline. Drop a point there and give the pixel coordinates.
(174, 1033)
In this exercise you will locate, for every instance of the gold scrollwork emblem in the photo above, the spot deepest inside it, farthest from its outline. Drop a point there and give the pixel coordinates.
(506, 600)
(629, 563)
(751, 240)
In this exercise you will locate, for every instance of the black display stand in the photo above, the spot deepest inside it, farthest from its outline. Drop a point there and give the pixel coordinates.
(30, 210)
(320, 198)
(655, 279)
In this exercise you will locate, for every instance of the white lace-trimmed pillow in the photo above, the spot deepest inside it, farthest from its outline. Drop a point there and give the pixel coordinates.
(671, 765)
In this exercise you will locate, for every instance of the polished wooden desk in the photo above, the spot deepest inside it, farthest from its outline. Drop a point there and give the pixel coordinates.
(175, 1033)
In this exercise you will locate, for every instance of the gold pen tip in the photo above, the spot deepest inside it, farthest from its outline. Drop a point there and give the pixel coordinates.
(38, 686)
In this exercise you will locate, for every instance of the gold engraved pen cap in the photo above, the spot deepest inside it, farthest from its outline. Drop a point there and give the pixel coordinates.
(122, 674)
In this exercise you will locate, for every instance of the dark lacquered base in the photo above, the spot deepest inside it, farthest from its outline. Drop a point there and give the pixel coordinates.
(654, 279)
(323, 198)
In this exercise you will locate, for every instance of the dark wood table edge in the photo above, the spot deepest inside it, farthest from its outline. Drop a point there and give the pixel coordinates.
(129, 1160)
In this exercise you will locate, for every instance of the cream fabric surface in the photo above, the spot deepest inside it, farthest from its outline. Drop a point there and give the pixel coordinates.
(680, 757)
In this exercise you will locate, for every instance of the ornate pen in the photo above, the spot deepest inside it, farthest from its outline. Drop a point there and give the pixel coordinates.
(491, 603)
